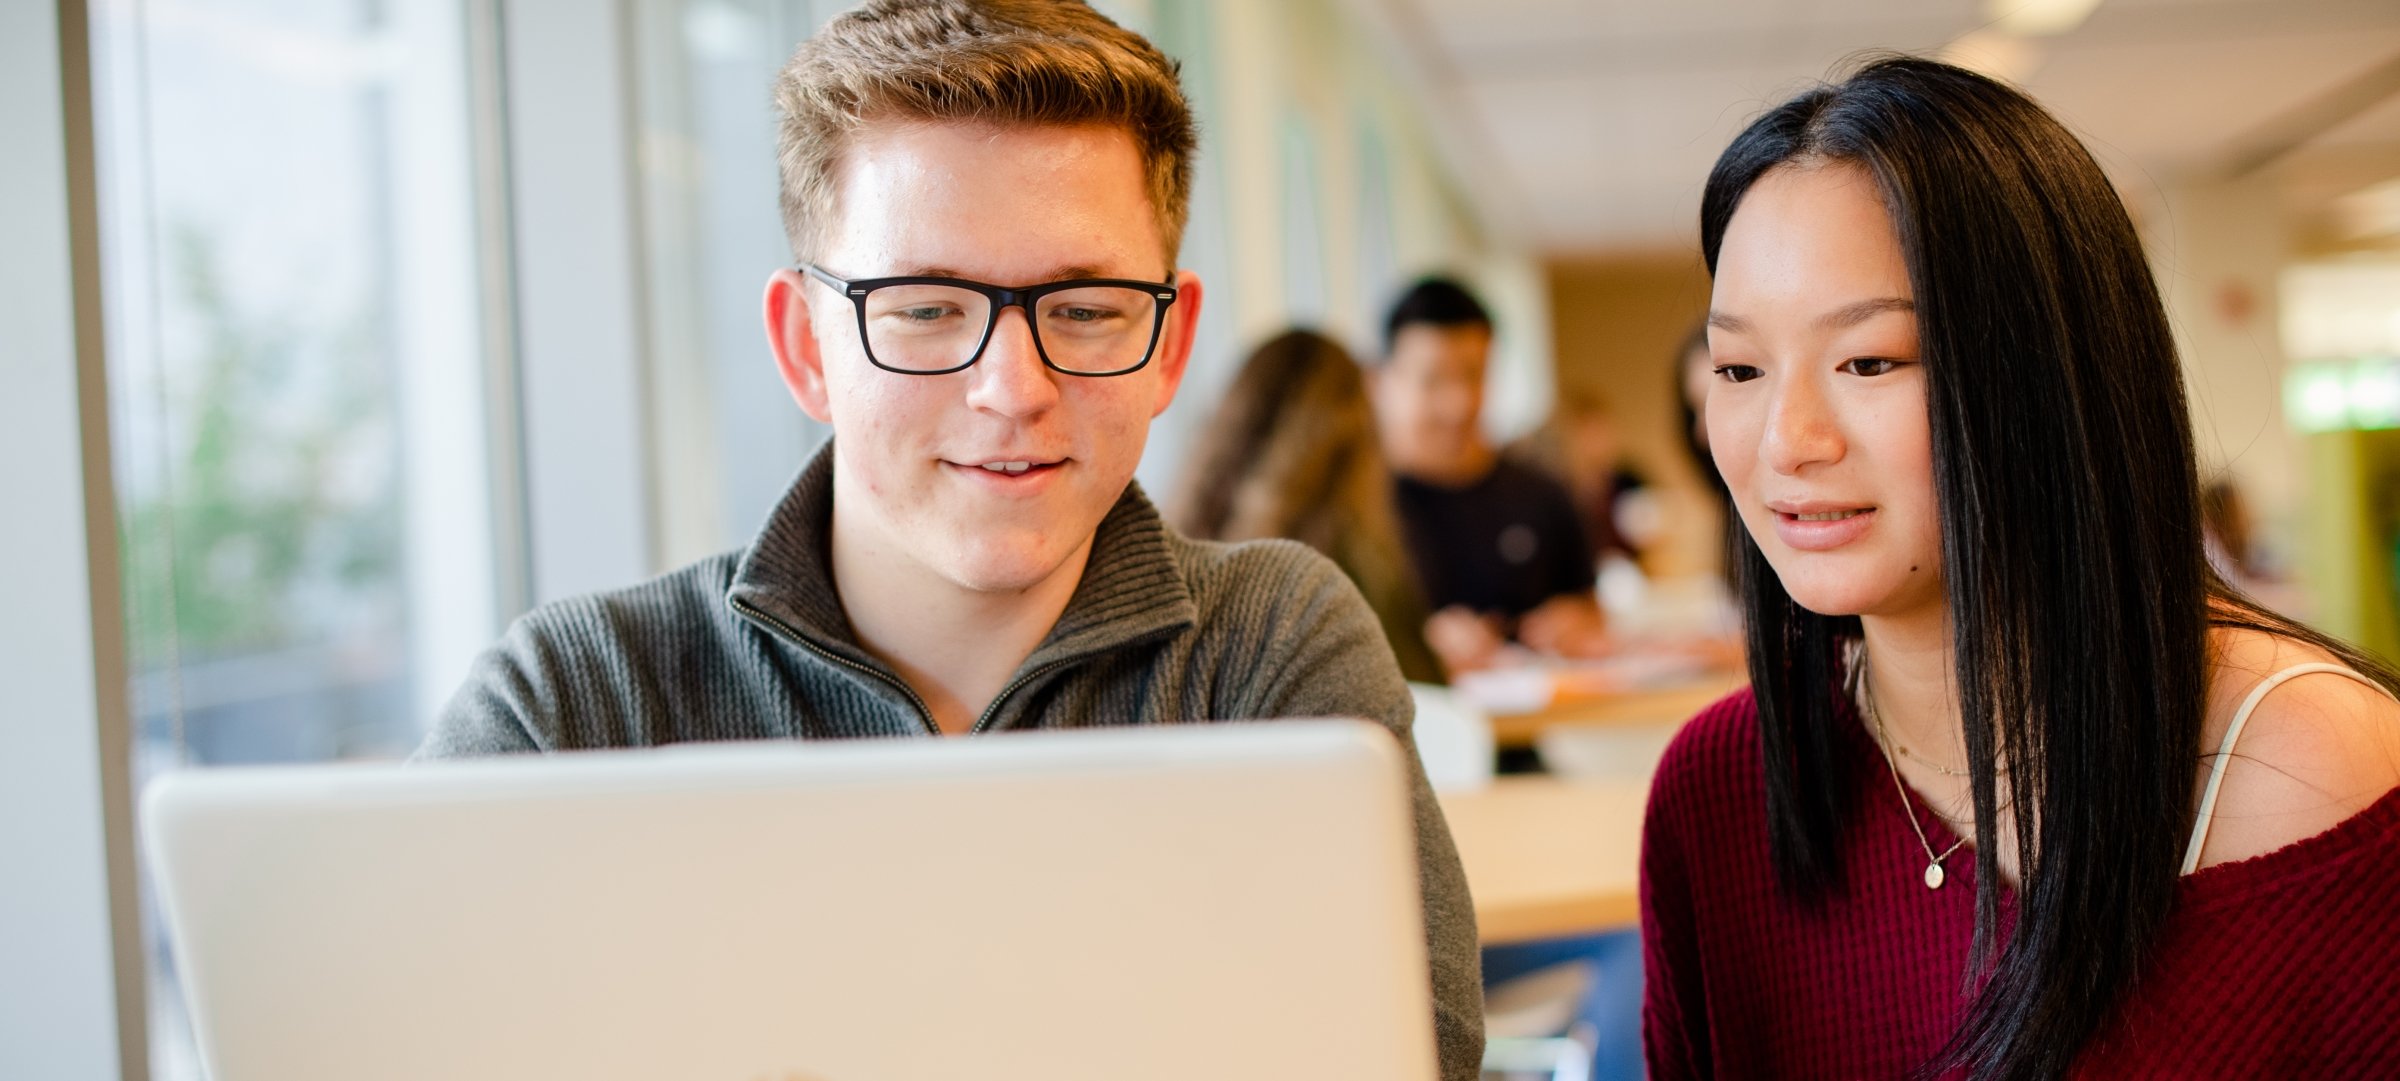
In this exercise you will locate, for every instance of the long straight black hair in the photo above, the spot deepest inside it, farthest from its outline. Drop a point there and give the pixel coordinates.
(2079, 598)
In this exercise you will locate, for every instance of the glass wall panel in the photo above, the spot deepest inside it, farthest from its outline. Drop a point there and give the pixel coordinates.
(728, 437)
(296, 380)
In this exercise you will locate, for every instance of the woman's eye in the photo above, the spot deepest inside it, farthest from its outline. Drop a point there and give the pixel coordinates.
(1736, 373)
(1869, 366)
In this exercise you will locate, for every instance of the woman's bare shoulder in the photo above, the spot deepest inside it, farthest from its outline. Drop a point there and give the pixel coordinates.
(2317, 749)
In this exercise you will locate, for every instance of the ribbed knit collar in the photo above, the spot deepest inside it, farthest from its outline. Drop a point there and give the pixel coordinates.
(1132, 589)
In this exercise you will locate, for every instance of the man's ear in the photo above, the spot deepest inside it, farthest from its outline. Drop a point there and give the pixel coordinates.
(791, 333)
(1175, 339)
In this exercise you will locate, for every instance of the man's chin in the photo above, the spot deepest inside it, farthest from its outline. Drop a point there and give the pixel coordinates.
(1004, 573)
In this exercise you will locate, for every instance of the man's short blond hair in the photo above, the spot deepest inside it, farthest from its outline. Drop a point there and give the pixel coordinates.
(1006, 62)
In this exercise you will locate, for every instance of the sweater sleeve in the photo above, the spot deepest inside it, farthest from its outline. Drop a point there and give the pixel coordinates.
(1336, 663)
(495, 711)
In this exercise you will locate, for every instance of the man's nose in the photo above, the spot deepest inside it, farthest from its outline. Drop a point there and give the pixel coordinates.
(1010, 378)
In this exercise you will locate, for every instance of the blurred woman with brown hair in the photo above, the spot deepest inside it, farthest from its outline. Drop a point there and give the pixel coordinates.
(1292, 453)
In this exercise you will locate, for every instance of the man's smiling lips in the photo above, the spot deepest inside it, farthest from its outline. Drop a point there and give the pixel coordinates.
(1817, 526)
(1012, 475)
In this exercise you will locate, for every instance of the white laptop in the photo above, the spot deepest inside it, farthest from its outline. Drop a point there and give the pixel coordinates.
(1187, 903)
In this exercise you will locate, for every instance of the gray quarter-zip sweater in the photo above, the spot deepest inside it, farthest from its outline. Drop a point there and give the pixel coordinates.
(1162, 630)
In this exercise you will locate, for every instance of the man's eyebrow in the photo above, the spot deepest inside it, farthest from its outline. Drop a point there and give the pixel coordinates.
(1057, 274)
(1850, 315)
(1727, 321)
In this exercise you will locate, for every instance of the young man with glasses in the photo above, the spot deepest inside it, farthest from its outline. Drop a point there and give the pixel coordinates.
(985, 198)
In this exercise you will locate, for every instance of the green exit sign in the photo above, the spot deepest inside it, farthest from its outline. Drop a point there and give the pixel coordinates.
(2338, 395)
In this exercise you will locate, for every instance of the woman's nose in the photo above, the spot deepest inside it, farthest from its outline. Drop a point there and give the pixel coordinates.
(1801, 430)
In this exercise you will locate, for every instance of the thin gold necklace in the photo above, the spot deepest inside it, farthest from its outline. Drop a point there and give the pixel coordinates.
(1921, 759)
(1896, 745)
(1934, 875)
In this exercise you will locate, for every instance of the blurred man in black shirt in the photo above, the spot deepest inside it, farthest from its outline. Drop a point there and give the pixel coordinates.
(1498, 546)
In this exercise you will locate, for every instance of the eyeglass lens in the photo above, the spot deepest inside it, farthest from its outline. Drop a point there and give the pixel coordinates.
(930, 328)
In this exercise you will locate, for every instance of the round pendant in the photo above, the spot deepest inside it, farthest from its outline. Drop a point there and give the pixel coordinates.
(1933, 876)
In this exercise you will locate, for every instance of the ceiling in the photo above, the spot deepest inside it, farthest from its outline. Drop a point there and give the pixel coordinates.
(1591, 124)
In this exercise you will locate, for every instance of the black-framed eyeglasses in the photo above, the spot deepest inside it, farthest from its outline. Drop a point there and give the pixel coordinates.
(935, 326)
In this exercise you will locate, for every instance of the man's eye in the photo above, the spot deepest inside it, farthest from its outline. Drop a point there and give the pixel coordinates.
(1869, 366)
(921, 315)
(1737, 373)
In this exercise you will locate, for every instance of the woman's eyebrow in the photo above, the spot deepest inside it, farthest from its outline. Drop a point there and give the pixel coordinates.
(1850, 315)
(1727, 321)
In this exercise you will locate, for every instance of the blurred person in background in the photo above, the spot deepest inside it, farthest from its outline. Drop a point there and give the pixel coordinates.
(1292, 453)
(2235, 554)
(2235, 551)
(1983, 628)
(1498, 547)
(1716, 630)
(1579, 446)
(2225, 522)
(1694, 373)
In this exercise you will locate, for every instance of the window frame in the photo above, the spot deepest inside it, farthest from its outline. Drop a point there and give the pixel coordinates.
(72, 990)
(570, 499)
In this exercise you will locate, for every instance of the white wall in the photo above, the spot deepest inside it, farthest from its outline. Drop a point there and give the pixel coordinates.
(2219, 249)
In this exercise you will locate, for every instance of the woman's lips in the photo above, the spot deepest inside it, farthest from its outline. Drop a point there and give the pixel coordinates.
(1832, 527)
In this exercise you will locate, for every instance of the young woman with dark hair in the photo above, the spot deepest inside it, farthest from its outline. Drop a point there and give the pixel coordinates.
(2020, 789)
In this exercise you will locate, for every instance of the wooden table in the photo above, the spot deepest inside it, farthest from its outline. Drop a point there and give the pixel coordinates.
(1660, 706)
(1548, 858)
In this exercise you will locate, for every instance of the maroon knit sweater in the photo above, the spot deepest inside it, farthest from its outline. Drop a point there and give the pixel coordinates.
(2282, 966)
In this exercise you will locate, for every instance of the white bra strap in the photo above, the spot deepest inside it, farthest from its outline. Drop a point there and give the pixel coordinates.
(2233, 732)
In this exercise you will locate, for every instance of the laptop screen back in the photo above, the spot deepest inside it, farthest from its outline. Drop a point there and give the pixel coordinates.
(1198, 902)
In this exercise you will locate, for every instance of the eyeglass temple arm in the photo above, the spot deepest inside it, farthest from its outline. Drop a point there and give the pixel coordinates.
(819, 273)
